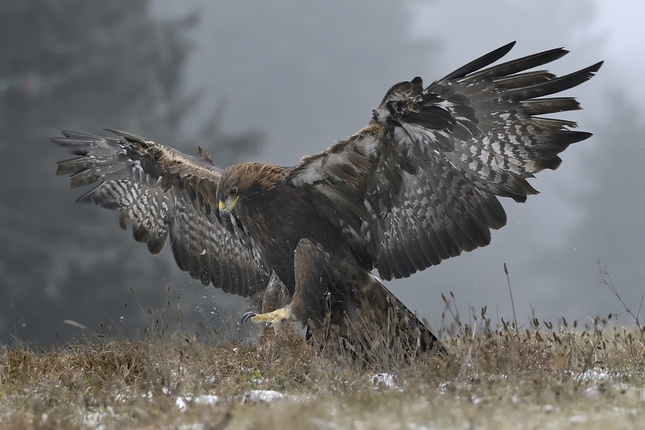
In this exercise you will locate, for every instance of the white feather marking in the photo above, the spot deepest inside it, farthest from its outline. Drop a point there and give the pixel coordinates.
(370, 147)
(310, 175)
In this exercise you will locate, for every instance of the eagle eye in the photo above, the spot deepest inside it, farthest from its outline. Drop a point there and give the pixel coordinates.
(233, 192)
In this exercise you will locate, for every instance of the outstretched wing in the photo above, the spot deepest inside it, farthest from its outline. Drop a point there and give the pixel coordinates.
(165, 194)
(419, 183)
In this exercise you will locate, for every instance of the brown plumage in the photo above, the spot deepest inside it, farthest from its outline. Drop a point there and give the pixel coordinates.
(417, 185)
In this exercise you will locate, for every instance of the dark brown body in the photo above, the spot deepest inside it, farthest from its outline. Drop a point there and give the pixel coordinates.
(277, 216)
(316, 271)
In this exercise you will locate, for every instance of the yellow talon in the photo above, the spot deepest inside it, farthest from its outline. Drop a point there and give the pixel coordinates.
(274, 317)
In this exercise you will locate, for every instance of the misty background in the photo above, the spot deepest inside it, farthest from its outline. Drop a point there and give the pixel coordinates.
(273, 81)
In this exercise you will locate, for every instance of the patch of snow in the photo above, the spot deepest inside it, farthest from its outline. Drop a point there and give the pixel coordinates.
(182, 403)
(577, 419)
(594, 375)
(207, 399)
(592, 391)
(193, 426)
(383, 379)
(94, 419)
(261, 396)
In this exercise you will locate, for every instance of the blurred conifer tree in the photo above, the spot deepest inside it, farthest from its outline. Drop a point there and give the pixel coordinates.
(84, 66)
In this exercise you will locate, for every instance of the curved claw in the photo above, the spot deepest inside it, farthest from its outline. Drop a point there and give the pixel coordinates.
(247, 316)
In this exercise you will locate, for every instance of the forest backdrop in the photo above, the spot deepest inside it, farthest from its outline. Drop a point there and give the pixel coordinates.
(276, 81)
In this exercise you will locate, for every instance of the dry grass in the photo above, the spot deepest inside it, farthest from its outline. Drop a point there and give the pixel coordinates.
(492, 378)
(538, 376)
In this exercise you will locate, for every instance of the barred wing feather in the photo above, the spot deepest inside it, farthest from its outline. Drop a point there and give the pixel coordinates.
(165, 194)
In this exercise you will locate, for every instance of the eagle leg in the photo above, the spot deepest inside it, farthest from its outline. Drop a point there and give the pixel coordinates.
(275, 302)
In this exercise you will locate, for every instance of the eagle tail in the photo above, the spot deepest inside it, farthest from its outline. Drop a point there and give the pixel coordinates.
(336, 298)
(403, 326)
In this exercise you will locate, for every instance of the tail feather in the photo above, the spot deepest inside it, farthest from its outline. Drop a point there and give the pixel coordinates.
(407, 327)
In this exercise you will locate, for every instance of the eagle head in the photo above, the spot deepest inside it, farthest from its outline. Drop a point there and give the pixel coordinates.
(246, 182)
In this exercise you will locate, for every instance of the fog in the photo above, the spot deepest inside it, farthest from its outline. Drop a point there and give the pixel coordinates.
(306, 74)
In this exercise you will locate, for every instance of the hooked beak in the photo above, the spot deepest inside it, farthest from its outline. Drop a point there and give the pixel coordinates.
(222, 212)
(224, 209)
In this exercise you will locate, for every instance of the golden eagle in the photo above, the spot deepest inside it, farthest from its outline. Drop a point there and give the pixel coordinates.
(417, 185)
